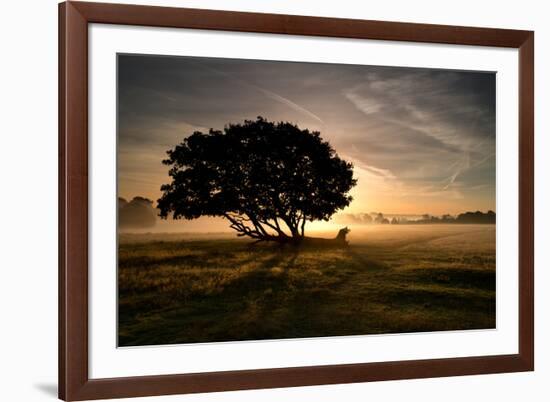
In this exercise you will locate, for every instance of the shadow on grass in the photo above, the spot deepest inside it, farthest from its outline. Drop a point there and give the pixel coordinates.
(270, 273)
(437, 297)
(364, 262)
(222, 291)
(465, 278)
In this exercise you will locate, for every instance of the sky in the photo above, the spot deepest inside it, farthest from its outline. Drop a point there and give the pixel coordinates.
(421, 140)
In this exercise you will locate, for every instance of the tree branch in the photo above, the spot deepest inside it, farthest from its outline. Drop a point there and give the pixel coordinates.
(238, 225)
(275, 227)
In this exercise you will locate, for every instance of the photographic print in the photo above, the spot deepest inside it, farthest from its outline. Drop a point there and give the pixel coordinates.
(274, 200)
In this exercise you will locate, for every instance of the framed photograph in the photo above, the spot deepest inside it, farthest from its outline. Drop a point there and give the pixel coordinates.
(258, 201)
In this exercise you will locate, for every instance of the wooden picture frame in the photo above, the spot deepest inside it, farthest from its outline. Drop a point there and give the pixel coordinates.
(74, 381)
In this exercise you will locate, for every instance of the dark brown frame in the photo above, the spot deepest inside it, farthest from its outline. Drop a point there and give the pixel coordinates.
(74, 383)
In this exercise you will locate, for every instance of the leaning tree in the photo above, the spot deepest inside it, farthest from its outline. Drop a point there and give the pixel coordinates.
(267, 179)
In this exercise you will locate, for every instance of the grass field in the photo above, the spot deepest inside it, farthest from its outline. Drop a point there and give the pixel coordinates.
(391, 279)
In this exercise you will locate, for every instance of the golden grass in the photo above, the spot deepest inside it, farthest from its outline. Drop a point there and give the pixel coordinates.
(184, 288)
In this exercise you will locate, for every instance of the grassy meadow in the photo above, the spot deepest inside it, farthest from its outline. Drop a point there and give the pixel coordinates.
(184, 288)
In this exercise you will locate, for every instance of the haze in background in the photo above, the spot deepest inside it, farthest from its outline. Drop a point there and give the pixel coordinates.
(421, 140)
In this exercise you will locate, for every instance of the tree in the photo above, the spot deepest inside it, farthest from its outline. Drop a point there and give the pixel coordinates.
(138, 213)
(267, 179)
(379, 218)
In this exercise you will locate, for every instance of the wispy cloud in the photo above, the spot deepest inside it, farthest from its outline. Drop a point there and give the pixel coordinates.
(439, 110)
(434, 105)
(268, 93)
(459, 167)
(287, 102)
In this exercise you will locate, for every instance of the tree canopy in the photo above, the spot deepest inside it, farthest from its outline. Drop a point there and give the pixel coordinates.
(266, 178)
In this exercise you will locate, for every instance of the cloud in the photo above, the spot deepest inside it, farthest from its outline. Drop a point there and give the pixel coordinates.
(441, 124)
(365, 105)
(266, 92)
(288, 103)
(443, 106)
(382, 182)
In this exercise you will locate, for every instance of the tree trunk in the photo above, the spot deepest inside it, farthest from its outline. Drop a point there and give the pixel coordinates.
(250, 226)
(282, 239)
(298, 240)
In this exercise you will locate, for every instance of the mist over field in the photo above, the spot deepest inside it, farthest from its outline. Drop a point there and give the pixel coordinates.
(145, 219)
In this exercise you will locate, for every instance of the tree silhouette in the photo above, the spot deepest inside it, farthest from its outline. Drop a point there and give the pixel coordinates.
(267, 179)
(138, 213)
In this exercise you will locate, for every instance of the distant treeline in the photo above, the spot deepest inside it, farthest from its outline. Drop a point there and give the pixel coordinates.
(477, 217)
(137, 213)
(140, 213)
